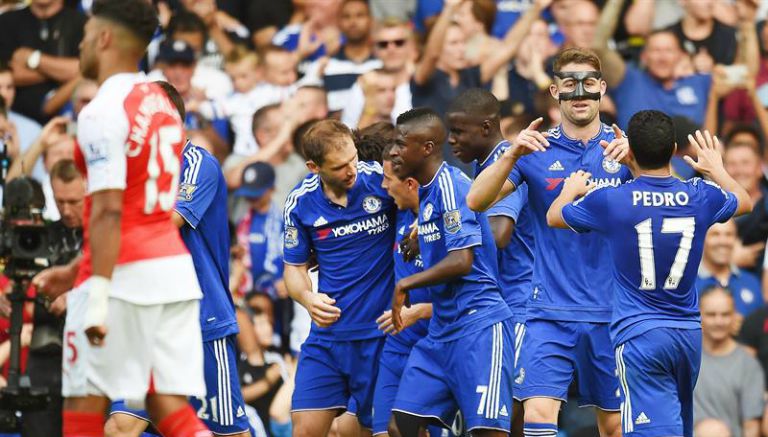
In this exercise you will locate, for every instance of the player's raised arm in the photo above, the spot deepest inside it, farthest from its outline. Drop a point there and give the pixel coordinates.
(492, 185)
(709, 163)
(575, 186)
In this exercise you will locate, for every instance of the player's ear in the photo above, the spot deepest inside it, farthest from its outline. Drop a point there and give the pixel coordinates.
(554, 92)
(313, 167)
(104, 38)
(603, 88)
(428, 148)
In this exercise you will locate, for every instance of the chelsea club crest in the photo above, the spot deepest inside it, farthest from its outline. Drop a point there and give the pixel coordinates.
(611, 165)
(371, 204)
(427, 212)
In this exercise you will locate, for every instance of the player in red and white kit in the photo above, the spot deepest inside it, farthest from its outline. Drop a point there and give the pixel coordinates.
(132, 319)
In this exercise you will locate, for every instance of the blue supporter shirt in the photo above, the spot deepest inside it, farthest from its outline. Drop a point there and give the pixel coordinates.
(472, 302)
(687, 97)
(570, 280)
(265, 247)
(202, 201)
(655, 229)
(516, 259)
(353, 245)
(404, 341)
(745, 288)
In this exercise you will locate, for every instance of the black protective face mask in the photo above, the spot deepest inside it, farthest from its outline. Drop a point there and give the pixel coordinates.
(580, 92)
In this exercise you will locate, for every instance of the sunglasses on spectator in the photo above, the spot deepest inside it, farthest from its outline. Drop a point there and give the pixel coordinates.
(383, 44)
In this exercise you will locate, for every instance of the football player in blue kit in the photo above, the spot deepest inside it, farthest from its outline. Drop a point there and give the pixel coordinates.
(569, 310)
(655, 226)
(201, 215)
(465, 361)
(474, 134)
(397, 347)
(342, 214)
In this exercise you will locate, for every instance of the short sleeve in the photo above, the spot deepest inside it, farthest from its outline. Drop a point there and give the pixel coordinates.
(587, 213)
(511, 205)
(461, 227)
(102, 134)
(198, 186)
(752, 390)
(296, 238)
(721, 204)
(516, 176)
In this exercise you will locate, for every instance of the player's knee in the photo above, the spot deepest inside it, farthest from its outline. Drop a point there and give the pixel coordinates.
(304, 428)
(541, 410)
(711, 428)
(609, 423)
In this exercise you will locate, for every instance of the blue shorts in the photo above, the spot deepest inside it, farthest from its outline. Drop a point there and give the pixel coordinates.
(551, 351)
(658, 372)
(331, 375)
(223, 409)
(391, 367)
(472, 374)
(119, 407)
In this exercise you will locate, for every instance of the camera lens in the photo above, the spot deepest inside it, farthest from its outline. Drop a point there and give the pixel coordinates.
(29, 240)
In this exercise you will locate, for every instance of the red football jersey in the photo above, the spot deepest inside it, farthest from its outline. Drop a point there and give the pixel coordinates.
(130, 138)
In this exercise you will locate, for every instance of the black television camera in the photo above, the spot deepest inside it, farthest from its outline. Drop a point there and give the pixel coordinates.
(27, 246)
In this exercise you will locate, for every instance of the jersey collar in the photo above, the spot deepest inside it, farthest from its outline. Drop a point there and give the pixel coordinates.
(573, 142)
(437, 173)
(495, 150)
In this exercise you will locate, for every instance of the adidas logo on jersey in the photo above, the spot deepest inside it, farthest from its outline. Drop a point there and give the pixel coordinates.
(240, 412)
(556, 166)
(503, 411)
(642, 419)
(321, 221)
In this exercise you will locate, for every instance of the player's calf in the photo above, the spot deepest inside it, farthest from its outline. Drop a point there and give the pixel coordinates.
(609, 423)
(312, 423)
(175, 417)
(540, 417)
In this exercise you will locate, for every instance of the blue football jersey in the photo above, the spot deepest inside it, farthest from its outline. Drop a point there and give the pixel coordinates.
(655, 229)
(472, 302)
(202, 201)
(570, 281)
(404, 341)
(266, 248)
(516, 259)
(353, 245)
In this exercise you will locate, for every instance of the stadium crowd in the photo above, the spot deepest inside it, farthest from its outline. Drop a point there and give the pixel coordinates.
(254, 75)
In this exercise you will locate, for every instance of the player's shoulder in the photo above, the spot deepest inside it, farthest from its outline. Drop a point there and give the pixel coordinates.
(599, 193)
(704, 186)
(452, 184)
(199, 161)
(108, 104)
(302, 191)
(370, 169)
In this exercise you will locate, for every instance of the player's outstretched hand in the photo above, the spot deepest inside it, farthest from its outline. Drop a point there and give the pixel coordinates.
(399, 300)
(708, 158)
(618, 149)
(577, 184)
(529, 140)
(322, 310)
(55, 281)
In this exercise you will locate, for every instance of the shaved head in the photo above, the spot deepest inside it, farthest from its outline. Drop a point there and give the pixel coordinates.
(422, 125)
(476, 102)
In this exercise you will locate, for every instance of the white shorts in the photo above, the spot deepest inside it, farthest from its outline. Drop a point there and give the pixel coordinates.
(158, 342)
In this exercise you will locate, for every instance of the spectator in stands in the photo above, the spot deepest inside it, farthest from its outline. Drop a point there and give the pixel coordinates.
(177, 64)
(711, 427)
(265, 18)
(717, 269)
(579, 22)
(529, 75)
(704, 37)
(267, 380)
(730, 384)
(221, 29)
(355, 57)
(190, 28)
(9, 137)
(659, 86)
(273, 127)
(317, 36)
(443, 71)
(379, 90)
(393, 44)
(26, 129)
(754, 336)
(261, 230)
(311, 102)
(742, 161)
(40, 43)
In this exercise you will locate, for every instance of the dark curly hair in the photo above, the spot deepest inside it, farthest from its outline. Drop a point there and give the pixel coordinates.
(138, 16)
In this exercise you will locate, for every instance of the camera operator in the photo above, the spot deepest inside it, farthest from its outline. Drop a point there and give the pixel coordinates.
(45, 354)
